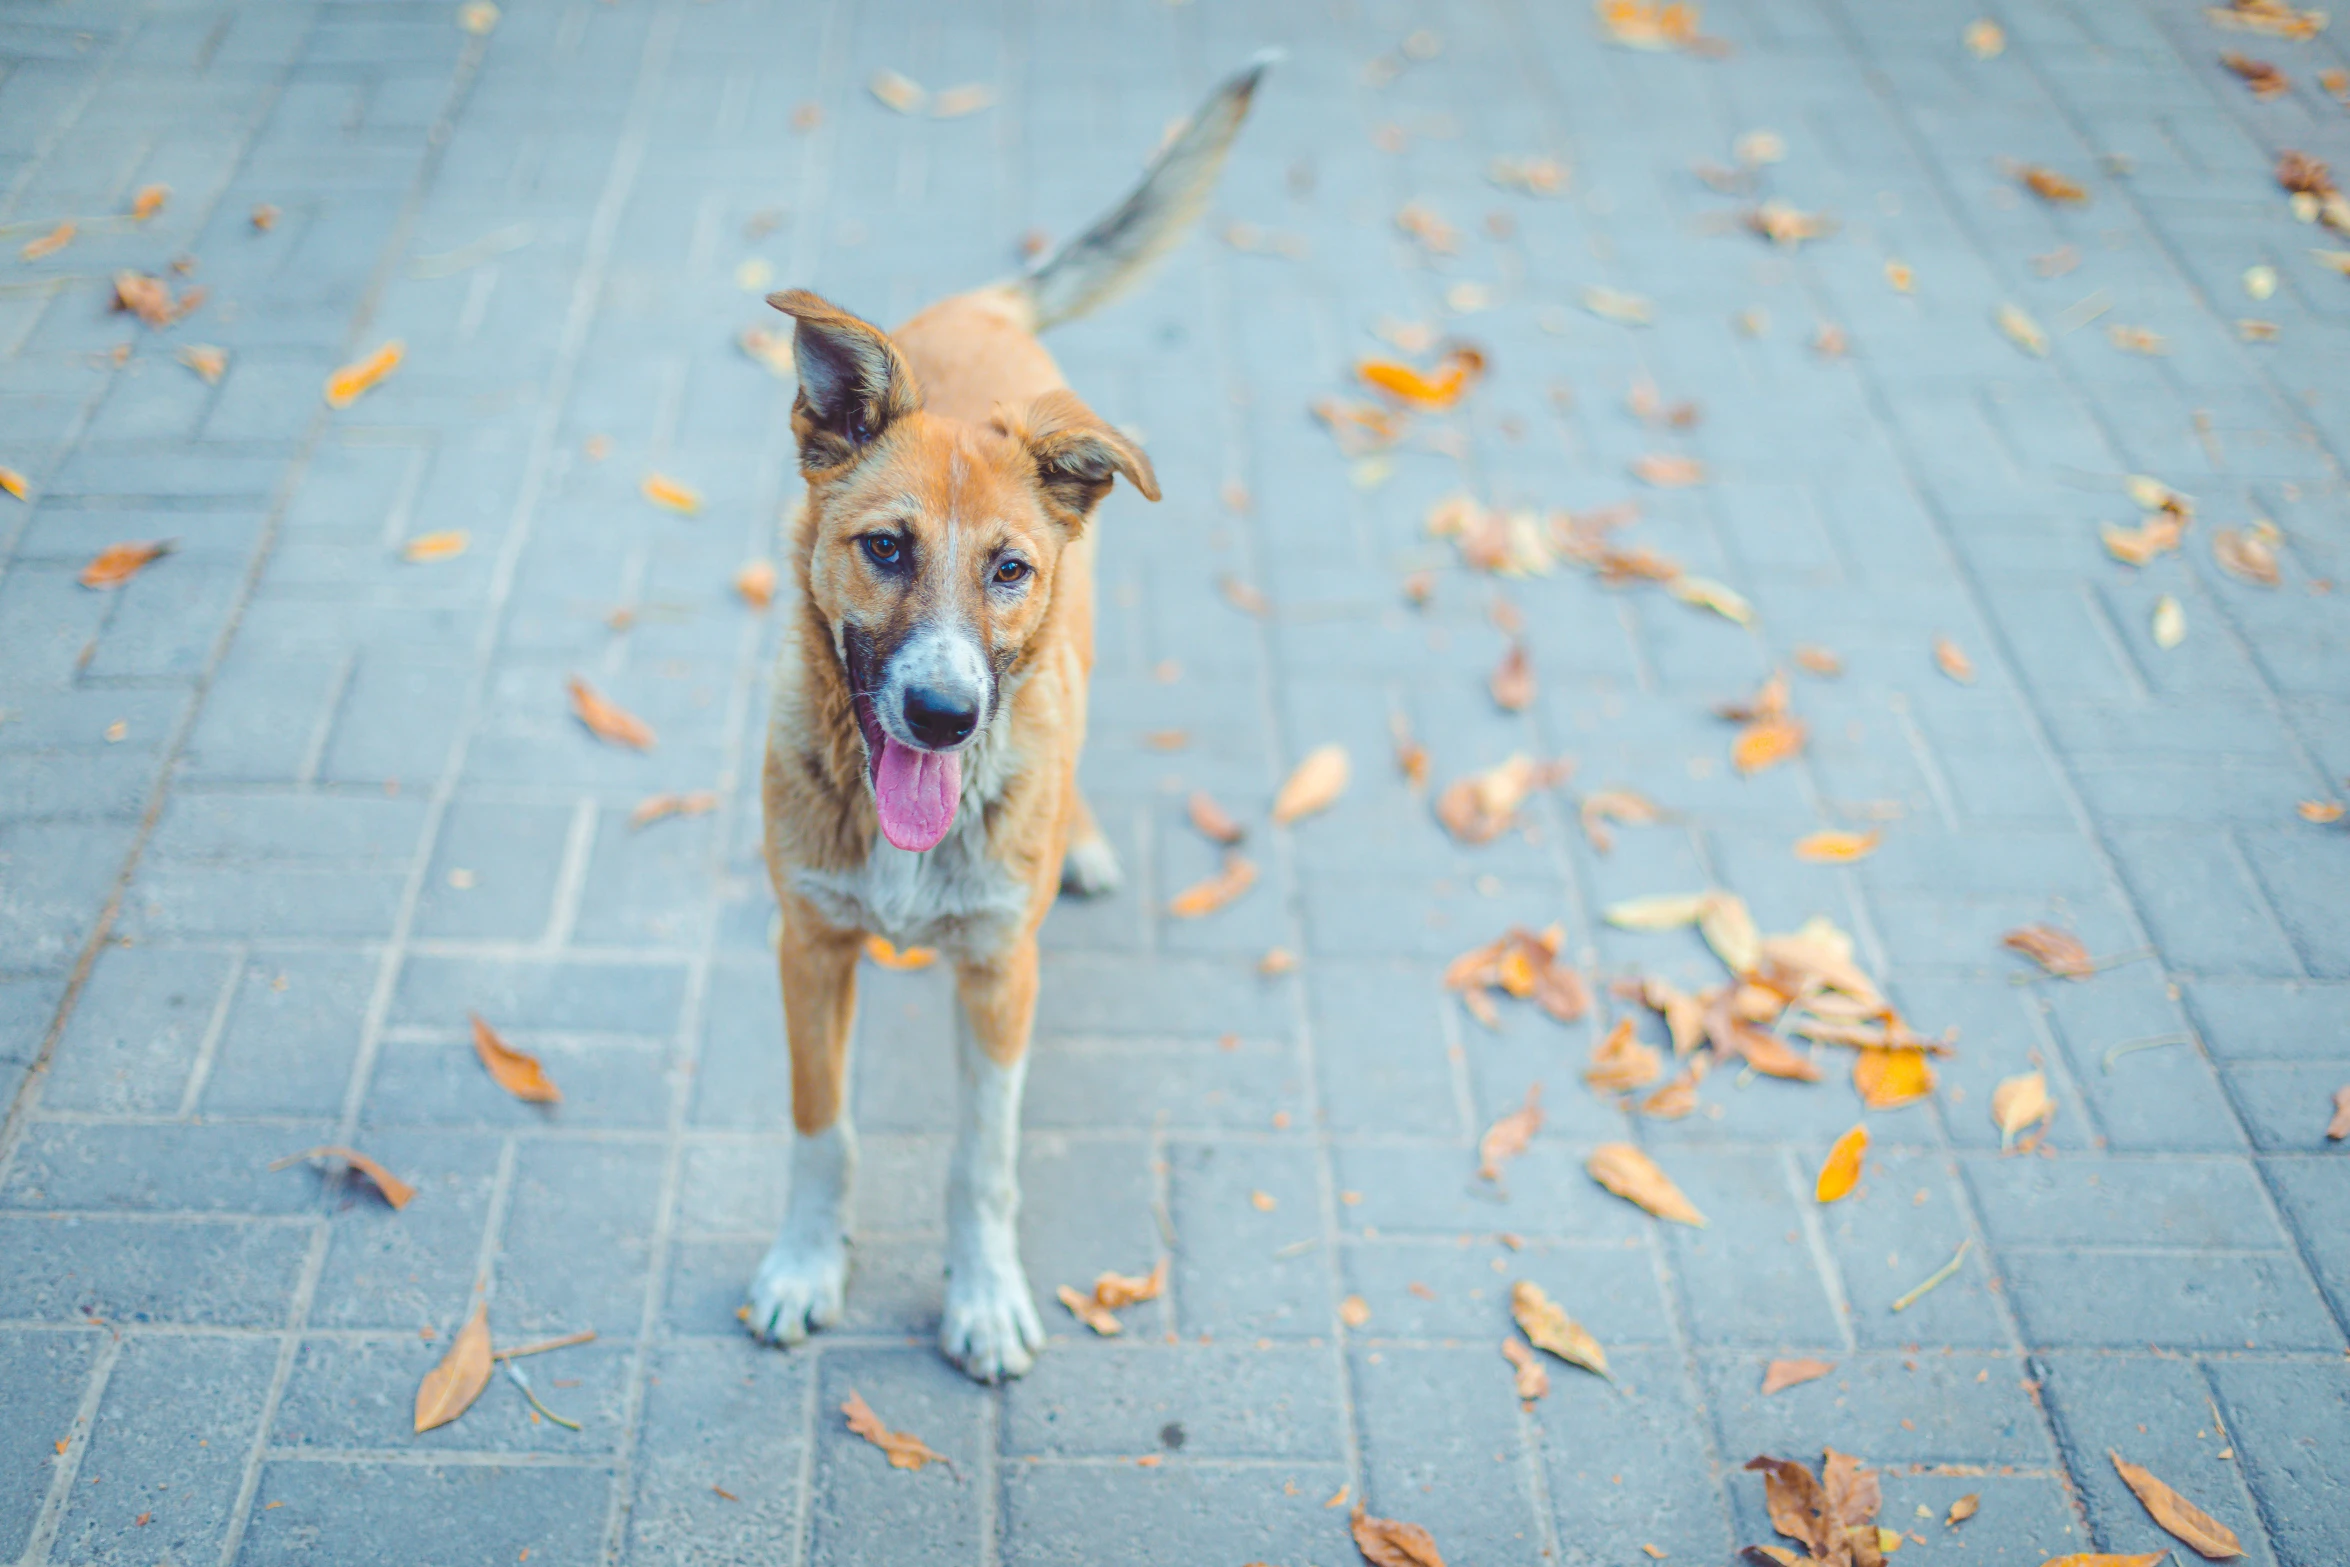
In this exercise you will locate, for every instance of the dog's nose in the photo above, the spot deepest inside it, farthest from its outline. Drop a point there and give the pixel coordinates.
(939, 719)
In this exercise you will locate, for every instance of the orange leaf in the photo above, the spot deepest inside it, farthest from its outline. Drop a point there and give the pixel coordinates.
(611, 724)
(1089, 1312)
(1387, 1542)
(116, 564)
(450, 1388)
(1512, 683)
(1888, 1078)
(2339, 1127)
(1766, 742)
(14, 483)
(1841, 1172)
(264, 217)
(1781, 1375)
(655, 807)
(1836, 847)
(48, 244)
(1633, 1176)
(1212, 820)
(2049, 185)
(447, 544)
(1125, 1289)
(1615, 805)
(1532, 1379)
(1621, 1063)
(1507, 1137)
(1237, 876)
(149, 201)
(1315, 786)
(1964, 1508)
(882, 952)
(517, 1073)
(2321, 812)
(1953, 661)
(1546, 1323)
(2057, 951)
(905, 1450)
(347, 385)
(1818, 660)
(664, 491)
(2176, 1514)
(756, 583)
(395, 1191)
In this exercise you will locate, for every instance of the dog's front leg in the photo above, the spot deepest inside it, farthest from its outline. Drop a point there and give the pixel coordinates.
(990, 1328)
(803, 1282)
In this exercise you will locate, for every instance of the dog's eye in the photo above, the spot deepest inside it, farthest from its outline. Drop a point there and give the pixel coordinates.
(884, 548)
(1010, 571)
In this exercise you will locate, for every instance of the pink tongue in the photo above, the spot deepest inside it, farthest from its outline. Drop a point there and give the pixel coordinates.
(916, 792)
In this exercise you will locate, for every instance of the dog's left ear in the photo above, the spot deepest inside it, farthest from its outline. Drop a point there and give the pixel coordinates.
(854, 383)
(1078, 456)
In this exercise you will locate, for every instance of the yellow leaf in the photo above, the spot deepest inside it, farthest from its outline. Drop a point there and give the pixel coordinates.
(1729, 929)
(1455, 374)
(450, 1388)
(14, 483)
(670, 493)
(1507, 1137)
(1621, 1062)
(1547, 1324)
(116, 564)
(1706, 593)
(447, 544)
(1888, 1077)
(1633, 1176)
(2321, 812)
(883, 952)
(1316, 784)
(513, 1070)
(1766, 742)
(149, 201)
(2022, 330)
(1831, 847)
(1964, 1508)
(1841, 1172)
(347, 385)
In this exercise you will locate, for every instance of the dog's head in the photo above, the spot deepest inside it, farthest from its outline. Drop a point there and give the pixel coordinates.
(932, 548)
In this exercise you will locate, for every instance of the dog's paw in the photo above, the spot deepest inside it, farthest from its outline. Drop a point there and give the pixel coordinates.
(1090, 868)
(800, 1287)
(990, 1328)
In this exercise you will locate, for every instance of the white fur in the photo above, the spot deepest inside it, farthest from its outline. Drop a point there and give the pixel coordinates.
(946, 659)
(803, 1282)
(990, 1328)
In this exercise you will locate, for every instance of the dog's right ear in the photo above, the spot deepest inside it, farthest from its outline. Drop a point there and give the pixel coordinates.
(853, 382)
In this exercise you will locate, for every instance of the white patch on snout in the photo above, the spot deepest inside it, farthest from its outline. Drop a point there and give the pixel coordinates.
(946, 660)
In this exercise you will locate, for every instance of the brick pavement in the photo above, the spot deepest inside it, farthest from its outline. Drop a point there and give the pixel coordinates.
(277, 816)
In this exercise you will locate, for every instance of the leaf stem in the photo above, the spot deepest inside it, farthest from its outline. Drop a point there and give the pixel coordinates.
(543, 1345)
(2154, 1042)
(514, 1375)
(1941, 1276)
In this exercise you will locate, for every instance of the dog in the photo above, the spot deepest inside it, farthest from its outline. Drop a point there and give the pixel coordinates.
(921, 769)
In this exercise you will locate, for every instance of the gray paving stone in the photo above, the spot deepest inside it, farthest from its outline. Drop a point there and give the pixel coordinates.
(1452, 1464)
(44, 1374)
(2286, 1419)
(137, 1034)
(1938, 1407)
(212, 1272)
(719, 1460)
(432, 1512)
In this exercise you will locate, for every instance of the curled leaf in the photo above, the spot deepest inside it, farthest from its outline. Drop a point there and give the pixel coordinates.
(1212, 820)
(1459, 370)
(395, 1191)
(671, 494)
(1547, 1324)
(1115, 1290)
(1633, 1176)
(2175, 1513)
(450, 1388)
(1315, 786)
(1964, 1508)
(1532, 1379)
(612, 724)
(1237, 876)
(2059, 952)
(116, 564)
(1090, 1312)
(518, 1073)
(1621, 1063)
(353, 381)
(904, 1449)
(1389, 1542)
(1507, 1138)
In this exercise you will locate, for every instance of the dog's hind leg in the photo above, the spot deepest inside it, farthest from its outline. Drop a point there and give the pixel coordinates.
(1090, 868)
(990, 1328)
(802, 1284)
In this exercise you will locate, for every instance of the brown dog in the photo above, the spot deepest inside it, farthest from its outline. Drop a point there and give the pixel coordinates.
(921, 780)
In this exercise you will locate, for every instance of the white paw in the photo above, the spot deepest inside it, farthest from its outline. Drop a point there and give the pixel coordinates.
(802, 1285)
(990, 1328)
(1090, 868)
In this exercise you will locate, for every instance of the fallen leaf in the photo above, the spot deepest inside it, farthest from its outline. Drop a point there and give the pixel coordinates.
(2321, 812)
(1459, 370)
(1614, 305)
(671, 494)
(1673, 1101)
(1633, 1176)
(1354, 1311)
(755, 583)
(1620, 1063)
(1798, 1507)
(2059, 952)
(478, 17)
(264, 217)
(2169, 623)
(1781, 1375)
(395, 1191)
(1964, 1508)
(2020, 1102)
(1535, 176)
(1533, 1380)
(1086, 1310)
(450, 1388)
(1782, 223)
(347, 385)
(2137, 340)
(1951, 659)
(2176, 1514)
(2273, 17)
(2049, 185)
(901, 93)
(1512, 682)
(607, 722)
(1766, 742)
(1668, 470)
(2157, 535)
(517, 1073)
(1507, 1138)
(1728, 928)
(1888, 1077)
(888, 955)
(658, 807)
(48, 244)
(14, 483)
(2022, 330)
(952, 103)
(904, 1449)
(2265, 80)
(2249, 555)
(1386, 1542)
(1833, 847)
(1841, 1172)
(1984, 38)
(1212, 820)
(447, 544)
(1548, 1326)
(1237, 876)
(1706, 593)
(1483, 806)
(1659, 911)
(1243, 597)
(116, 564)
(150, 299)
(1115, 1290)
(2339, 1127)
(1615, 805)
(149, 201)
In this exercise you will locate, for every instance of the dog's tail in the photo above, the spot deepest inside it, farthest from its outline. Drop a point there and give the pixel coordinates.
(1112, 256)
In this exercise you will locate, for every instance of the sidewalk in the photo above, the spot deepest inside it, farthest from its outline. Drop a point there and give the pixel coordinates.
(279, 814)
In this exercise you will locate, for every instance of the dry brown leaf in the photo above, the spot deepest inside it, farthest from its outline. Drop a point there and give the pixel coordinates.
(1507, 1138)
(1781, 1375)
(657, 807)
(207, 361)
(1673, 1101)
(2339, 1127)
(48, 244)
(1621, 1063)
(2020, 1102)
(609, 723)
(1633, 1176)
(1237, 876)
(149, 201)
(1798, 1507)
(116, 564)
(2182, 1518)
(1212, 820)
(1766, 742)
(395, 1191)
(1668, 470)
(670, 494)
(1951, 659)
(1729, 929)
(905, 1450)
(1483, 806)
(1888, 1078)
(1388, 1542)
(1659, 911)
(1738, 1040)
(2049, 185)
(450, 1388)
(2157, 535)
(2265, 80)
(887, 954)
(1533, 1379)
(1116, 1290)
(2273, 17)
(426, 548)
(1512, 681)
(347, 385)
(1315, 786)
(1615, 805)
(1088, 1311)
(755, 583)
(2322, 812)
(2250, 555)
(1841, 1172)
(2059, 952)
(1832, 847)
(1548, 1326)
(514, 1071)
(1964, 1508)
